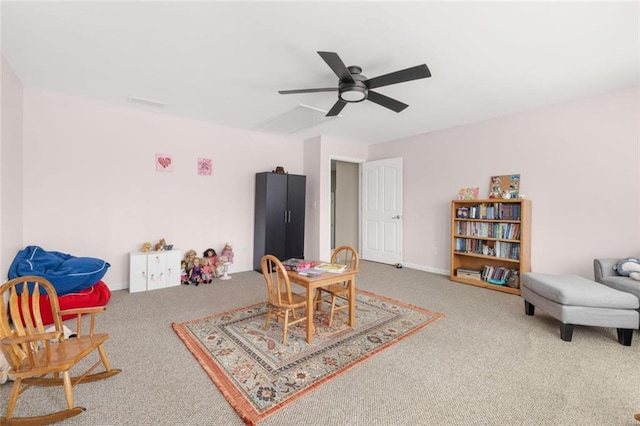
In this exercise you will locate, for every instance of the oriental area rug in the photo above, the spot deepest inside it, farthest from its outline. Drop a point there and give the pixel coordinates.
(258, 375)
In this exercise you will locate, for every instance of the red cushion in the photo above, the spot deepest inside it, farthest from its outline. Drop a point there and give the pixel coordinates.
(96, 295)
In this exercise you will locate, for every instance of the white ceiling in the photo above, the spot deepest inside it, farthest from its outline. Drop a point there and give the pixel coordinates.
(224, 62)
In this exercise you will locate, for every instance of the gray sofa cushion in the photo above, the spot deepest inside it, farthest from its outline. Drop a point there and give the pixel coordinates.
(625, 284)
(604, 273)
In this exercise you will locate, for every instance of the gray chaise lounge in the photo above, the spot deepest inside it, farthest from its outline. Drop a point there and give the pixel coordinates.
(574, 300)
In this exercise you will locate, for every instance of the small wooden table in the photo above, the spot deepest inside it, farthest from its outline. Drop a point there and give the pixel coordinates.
(322, 280)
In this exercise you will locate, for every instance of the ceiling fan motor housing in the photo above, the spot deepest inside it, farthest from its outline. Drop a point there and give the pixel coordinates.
(356, 91)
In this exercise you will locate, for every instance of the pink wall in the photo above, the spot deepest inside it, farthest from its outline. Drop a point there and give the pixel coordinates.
(579, 164)
(10, 168)
(91, 189)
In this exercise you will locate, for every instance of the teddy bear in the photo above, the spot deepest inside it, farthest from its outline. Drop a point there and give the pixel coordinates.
(146, 247)
(629, 267)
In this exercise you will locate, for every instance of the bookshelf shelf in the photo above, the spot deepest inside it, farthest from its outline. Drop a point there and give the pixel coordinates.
(490, 241)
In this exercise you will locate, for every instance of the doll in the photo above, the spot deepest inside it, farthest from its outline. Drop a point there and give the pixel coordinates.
(188, 258)
(206, 271)
(184, 277)
(213, 260)
(226, 255)
(195, 273)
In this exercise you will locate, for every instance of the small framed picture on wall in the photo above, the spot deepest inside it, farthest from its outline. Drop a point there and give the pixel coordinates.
(205, 166)
(164, 163)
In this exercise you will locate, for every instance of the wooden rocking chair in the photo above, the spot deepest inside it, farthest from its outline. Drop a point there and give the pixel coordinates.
(43, 358)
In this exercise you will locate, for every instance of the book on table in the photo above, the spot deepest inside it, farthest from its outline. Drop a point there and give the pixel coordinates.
(334, 268)
(297, 264)
(309, 273)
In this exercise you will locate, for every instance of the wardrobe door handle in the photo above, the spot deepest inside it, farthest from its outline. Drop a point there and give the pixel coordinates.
(289, 218)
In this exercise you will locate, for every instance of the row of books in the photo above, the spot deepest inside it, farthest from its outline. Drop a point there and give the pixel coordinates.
(500, 276)
(510, 231)
(499, 249)
(490, 211)
(491, 274)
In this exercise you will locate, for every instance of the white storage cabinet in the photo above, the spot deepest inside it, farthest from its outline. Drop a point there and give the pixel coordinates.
(153, 270)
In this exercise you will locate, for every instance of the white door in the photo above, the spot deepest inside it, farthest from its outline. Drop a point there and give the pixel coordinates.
(382, 211)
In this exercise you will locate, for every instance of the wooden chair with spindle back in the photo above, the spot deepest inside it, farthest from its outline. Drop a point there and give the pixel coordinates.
(282, 301)
(344, 255)
(40, 358)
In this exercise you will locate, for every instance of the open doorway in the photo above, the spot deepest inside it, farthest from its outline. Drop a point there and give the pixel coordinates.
(345, 184)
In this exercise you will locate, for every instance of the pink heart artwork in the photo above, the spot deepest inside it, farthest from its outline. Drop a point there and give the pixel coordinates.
(163, 163)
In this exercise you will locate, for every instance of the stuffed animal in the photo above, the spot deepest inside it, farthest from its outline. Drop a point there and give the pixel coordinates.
(146, 247)
(628, 267)
(161, 245)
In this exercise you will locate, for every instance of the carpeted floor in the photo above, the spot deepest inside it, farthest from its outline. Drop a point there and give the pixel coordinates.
(258, 375)
(486, 363)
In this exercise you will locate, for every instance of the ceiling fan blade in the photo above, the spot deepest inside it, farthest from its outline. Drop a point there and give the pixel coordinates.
(324, 89)
(386, 101)
(413, 73)
(336, 108)
(335, 63)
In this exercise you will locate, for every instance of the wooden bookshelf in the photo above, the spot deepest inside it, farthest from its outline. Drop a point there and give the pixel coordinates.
(490, 240)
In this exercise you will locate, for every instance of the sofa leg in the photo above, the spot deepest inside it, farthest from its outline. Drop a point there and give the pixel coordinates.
(529, 309)
(624, 336)
(566, 331)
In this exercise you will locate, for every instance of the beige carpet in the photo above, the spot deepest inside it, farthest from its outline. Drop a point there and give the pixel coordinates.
(258, 375)
(487, 363)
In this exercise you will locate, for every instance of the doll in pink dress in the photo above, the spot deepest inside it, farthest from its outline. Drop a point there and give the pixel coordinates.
(227, 253)
(213, 260)
(184, 276)
(226, 258)
(207, 271)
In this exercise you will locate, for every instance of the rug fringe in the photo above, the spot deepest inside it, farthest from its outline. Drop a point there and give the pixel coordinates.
(237, 399)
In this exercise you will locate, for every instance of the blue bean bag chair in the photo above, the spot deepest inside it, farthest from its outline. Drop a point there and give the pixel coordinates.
(67, 273)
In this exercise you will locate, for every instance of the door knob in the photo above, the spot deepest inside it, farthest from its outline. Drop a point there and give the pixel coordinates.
(396, 217)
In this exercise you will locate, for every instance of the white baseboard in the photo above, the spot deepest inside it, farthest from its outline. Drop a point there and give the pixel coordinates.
(426, 269)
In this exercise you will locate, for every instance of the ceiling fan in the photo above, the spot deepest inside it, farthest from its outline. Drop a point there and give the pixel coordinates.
(355, 87)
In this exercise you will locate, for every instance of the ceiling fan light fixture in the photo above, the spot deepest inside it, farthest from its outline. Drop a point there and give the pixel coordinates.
(353, 92)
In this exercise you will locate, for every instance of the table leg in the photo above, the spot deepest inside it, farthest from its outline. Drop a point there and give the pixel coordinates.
(352, 303)
(309, 315)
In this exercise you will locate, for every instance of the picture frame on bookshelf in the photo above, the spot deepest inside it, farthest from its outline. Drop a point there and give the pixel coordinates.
(504, 186)
(462, 213)
(468, 193)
